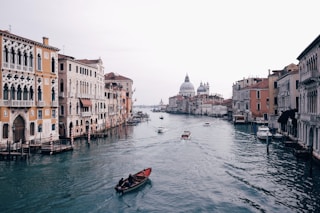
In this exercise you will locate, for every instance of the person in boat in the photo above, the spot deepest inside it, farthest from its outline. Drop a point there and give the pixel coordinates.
(121, 182)
(131, 179)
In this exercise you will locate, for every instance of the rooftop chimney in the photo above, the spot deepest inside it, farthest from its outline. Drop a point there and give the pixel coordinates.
(45, 40)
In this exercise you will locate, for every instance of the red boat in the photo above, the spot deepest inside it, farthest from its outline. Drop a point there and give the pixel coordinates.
(139, 179)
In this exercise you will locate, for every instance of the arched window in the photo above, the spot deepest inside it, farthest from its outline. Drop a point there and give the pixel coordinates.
(39, 61)
(61, 85)
(32, 128)
(13, 54)
(61, 110)
(31, 94)
(5, 131)
(53, 95)
(39, 93)
(25, 93)
(6, 92)
(70, 107)
(77, 108)
(19, 57)
(25, 59)
(40, 128)
(53, 65)
(13, 93)
(31, 60)
(6, 54)
(19, 93)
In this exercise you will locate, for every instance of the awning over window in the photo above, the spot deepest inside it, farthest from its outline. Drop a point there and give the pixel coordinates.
(85, 102)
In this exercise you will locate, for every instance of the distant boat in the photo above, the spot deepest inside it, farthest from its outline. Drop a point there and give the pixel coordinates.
(239, 119)
(161, 117)
(206, 124)
(186, 135)
(264, 133)
(160, 129)
(277, 135)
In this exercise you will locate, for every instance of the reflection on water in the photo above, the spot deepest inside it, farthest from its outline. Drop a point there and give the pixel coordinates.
(223, 168)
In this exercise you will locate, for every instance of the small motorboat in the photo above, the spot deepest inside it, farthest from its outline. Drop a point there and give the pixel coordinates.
(206, 124)
(186, 135)
(138, 179)
(264, 133)
(160, 129)
(277, 136)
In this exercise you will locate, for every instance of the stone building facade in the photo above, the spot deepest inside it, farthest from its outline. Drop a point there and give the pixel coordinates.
(81, 96)
(309, 95)
(29, 90)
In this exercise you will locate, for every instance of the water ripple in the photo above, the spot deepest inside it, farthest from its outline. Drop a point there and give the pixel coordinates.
(223, 168)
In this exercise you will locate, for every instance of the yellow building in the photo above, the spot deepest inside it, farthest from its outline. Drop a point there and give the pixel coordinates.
(28, 90)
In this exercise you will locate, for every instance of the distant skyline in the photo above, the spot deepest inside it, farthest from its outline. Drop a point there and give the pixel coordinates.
(156, 43)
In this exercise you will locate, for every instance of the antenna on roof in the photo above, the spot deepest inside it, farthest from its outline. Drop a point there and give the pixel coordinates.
(10, 28)
(63, 49)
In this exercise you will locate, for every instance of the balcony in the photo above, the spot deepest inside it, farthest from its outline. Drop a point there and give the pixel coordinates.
(5, 65)
(309, 117)
(85, 114)
(61, 94)
(40, 103)
(309, 76)
(16, 103)
(54, 104)
(79, 95)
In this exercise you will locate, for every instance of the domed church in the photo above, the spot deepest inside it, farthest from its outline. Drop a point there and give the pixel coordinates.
(203, 89)
(187, 88)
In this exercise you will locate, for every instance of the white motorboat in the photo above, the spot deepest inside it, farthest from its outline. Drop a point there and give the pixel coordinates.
(186, 135)
(264, 133)
(206, 124)
(160, 129)
(277, 135)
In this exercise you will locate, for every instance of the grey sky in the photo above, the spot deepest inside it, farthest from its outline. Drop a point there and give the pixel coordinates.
(156, 43)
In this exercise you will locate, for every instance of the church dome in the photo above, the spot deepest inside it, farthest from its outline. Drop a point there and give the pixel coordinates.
(201, 89)
(187, 88)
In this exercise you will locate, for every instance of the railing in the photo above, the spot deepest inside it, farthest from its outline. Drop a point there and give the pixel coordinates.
(306, 76)
(4, 64)
(85, 114)
(54, 104)
(61, 94)
(16, 103)
(308, 117)
(40, 103)
(17, 66)
(79, 95)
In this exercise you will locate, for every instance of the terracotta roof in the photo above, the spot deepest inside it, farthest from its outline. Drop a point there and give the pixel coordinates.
(113, 76)
(88, 61)
(264, 84)
(61, 56)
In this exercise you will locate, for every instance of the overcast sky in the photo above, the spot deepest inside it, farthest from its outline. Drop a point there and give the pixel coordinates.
(157, 42)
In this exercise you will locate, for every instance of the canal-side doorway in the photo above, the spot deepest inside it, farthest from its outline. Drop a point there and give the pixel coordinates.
(18, 129)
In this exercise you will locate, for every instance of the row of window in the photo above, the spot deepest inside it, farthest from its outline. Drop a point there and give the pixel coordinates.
(25, 93)
(83, 71)
(5, 132)
(24, 59)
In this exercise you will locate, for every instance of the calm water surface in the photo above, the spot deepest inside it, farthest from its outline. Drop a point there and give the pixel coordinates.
(223, 168)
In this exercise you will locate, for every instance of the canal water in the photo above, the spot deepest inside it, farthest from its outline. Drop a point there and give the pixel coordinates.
(222, 168)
